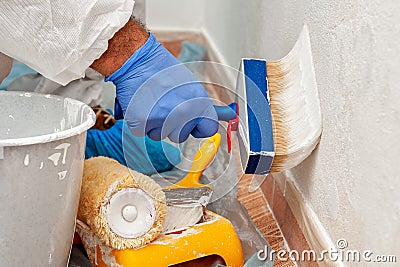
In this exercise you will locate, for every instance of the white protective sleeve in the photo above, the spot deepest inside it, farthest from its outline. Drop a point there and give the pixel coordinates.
(60, 38)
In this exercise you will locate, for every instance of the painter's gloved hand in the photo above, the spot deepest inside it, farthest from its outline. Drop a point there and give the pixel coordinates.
(161, 98)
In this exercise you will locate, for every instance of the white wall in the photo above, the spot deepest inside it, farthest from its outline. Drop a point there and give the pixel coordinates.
(252, 28)
(352, 181)
(174, 14)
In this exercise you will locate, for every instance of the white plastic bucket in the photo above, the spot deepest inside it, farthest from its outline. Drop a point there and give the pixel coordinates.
(42, 143)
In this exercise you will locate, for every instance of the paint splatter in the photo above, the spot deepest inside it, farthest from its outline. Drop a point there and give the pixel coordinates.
(11, 117)
(65, 147)
(41, 165)
(55, 158)
(62, 175)
(26, 160)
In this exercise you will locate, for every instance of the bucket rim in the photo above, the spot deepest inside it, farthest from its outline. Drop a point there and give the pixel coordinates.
(90, 120)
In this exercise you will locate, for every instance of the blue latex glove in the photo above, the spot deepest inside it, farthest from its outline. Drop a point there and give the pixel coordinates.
(161, 98)
(138, 153)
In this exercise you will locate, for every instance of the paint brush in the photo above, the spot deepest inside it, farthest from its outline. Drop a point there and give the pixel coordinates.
(291, 126)
(280, 115)
(295, 107)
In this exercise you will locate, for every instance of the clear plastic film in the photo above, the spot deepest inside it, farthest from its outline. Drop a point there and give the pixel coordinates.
(222, 174)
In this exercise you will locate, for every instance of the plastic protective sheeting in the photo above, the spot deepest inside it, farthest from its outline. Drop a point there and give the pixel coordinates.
(78, 259)
(223, 176)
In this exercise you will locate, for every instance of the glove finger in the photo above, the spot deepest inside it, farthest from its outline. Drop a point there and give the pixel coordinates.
(118, 114)
(155, 134)
(180, 134)
(207, 125)
(205, 128)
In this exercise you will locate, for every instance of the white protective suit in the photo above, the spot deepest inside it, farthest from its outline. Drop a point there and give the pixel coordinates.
(60, 38)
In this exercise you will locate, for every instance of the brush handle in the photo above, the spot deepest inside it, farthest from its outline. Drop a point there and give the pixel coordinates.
(207, 150)
(202, 159)
(230, 114)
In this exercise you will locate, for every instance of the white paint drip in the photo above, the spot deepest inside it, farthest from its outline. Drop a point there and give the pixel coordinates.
(11, 117)
(26, 160)
(55, 158)
(41, 165)
(62, 175)
(65, 147)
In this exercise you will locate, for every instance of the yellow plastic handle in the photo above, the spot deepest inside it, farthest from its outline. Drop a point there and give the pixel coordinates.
(202, 159)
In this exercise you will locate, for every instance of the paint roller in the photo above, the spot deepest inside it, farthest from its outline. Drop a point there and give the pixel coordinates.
(124, 208)
(127, 209)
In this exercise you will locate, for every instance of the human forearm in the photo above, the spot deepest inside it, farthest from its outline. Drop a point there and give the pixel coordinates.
(5, 66)
(120, 47)
(157, 95)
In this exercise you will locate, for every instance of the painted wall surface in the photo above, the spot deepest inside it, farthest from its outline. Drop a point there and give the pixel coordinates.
(174, 14)
(352, 181)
